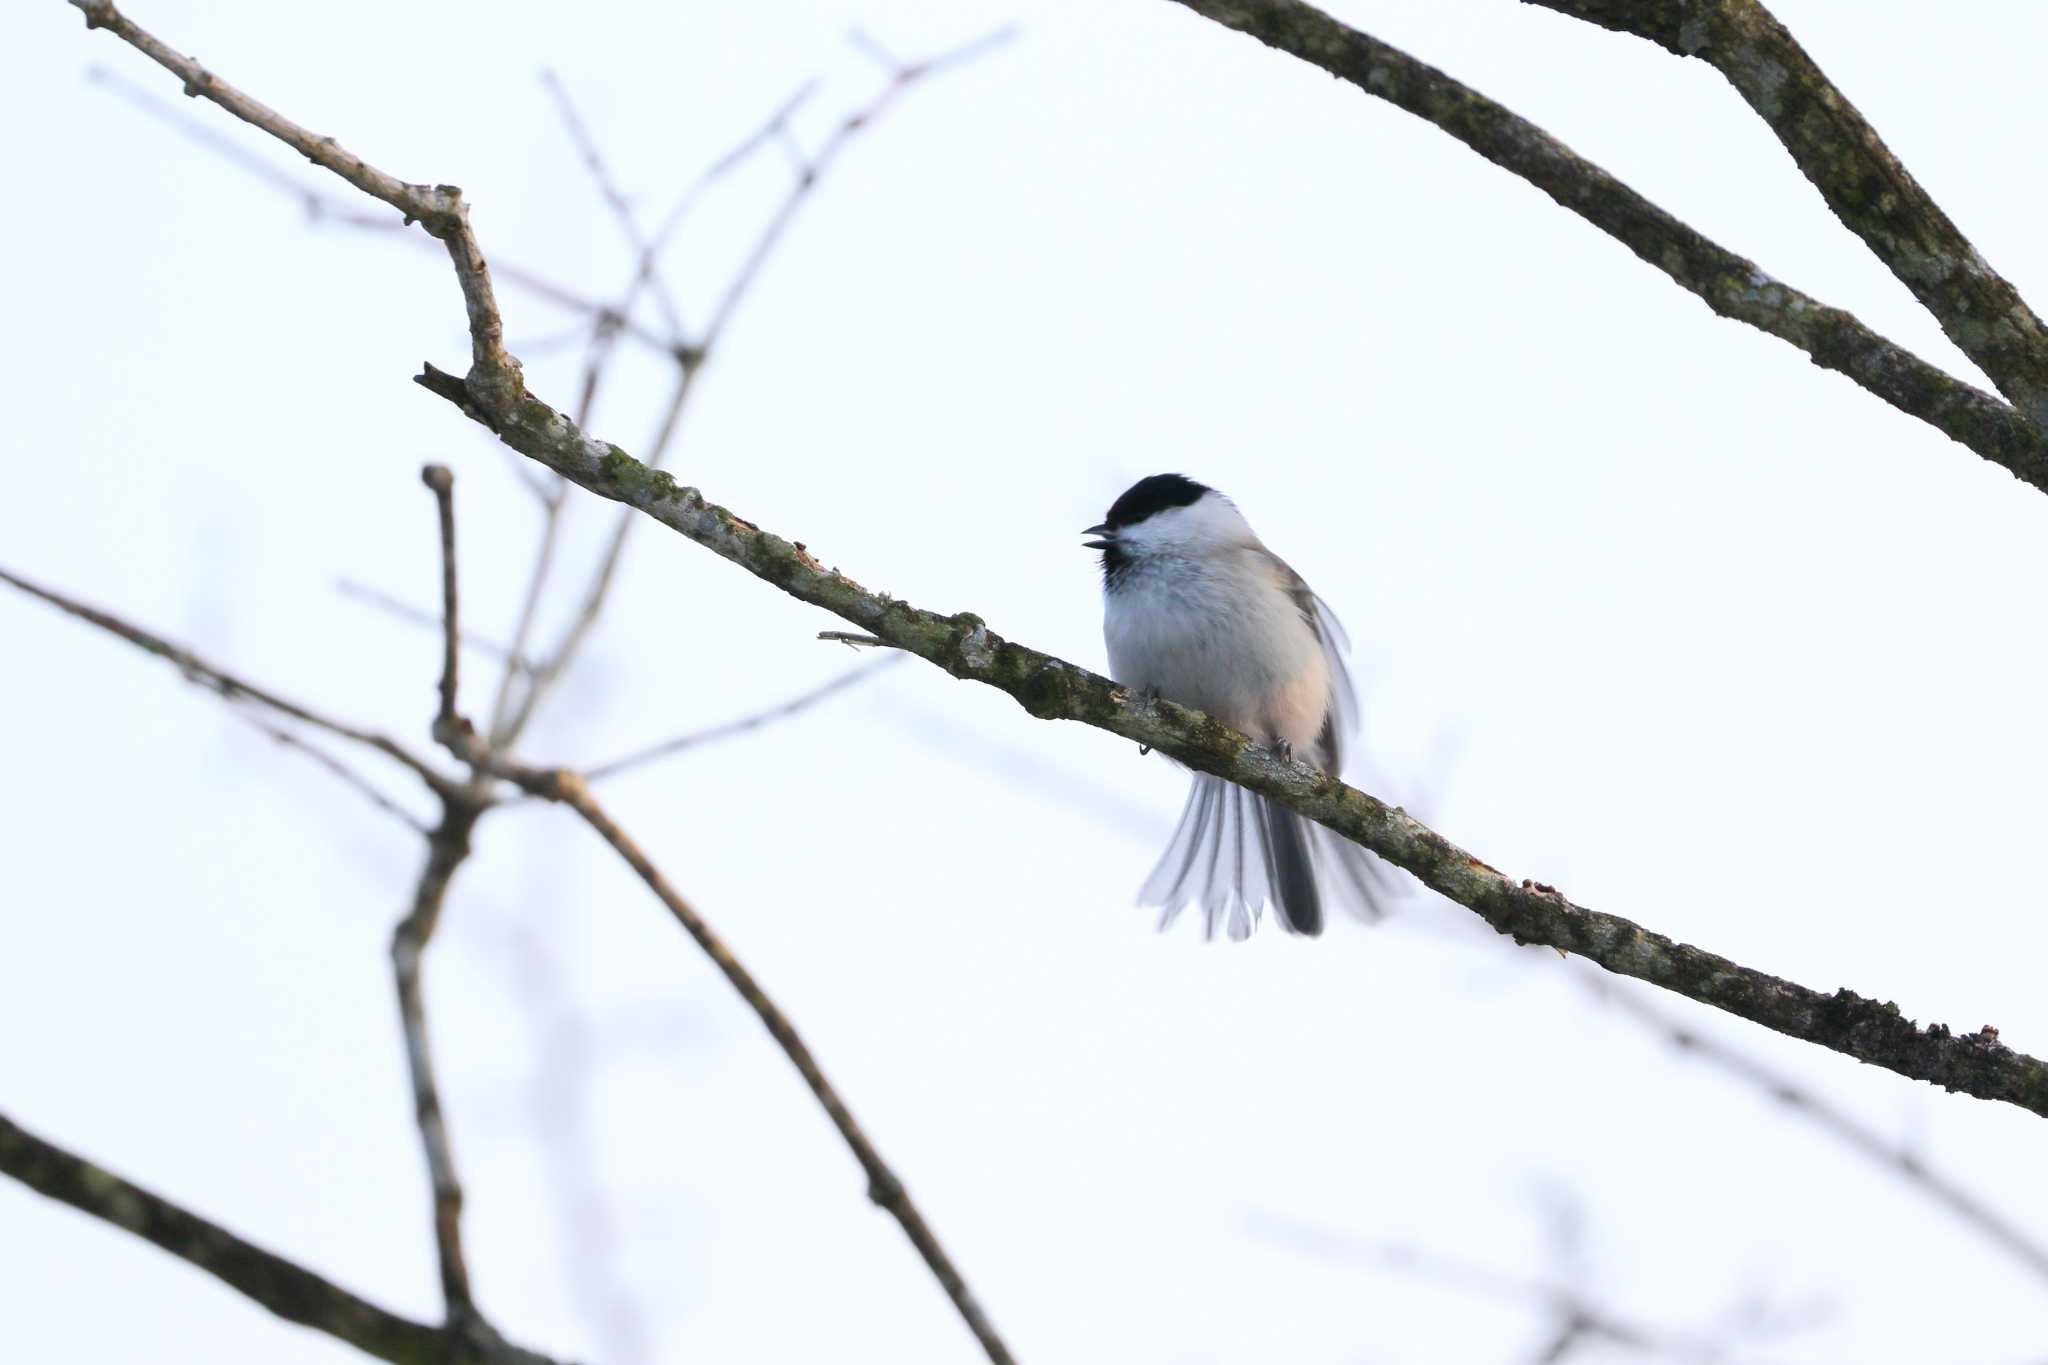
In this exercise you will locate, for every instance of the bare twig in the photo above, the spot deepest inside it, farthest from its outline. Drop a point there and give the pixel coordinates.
(288, 1290)
(508, 723)
(438, 478)
(803, 701)
(406, 611)
(1973, 1212)
(333, 765)
(1578, 1320)
(1865, 185)
(437, 208)
(1729, 284)
(447, 847)
(884, 1187)
(230, 686)
(614, 198)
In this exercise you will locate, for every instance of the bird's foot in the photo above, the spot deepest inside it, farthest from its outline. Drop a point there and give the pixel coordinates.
(1148, 695)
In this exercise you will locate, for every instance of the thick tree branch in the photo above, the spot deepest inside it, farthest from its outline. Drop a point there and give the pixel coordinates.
(1731, 285)
(1053, 689)
(290, 1291)
(1875, 196)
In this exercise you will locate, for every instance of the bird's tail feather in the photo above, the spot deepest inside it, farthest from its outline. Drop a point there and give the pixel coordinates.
(1233, 851)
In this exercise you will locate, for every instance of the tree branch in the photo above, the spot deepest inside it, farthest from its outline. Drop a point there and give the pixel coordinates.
(448, 846)
(438, 478)
(1973, 1212)
(1731, 285)
(803, 701)
(231, 687)
(1053, 689)
(293, 1293)
(1865, 185)
(885, 1189)
(437, 208)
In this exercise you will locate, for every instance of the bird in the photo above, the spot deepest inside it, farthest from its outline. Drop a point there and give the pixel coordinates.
(1197, 610)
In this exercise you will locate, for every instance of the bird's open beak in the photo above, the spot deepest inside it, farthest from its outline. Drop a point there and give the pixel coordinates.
(1108, 540)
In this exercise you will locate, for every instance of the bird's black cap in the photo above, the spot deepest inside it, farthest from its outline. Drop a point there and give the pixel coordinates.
(1149, 495)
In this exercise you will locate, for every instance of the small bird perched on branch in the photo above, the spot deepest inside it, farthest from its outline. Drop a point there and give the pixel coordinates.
(1198, 611)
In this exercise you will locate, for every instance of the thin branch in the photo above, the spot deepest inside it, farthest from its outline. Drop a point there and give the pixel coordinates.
(333, 765)
(506, 728)
(1731, 285)
(406, 611)
(885, 1189)
(1053, 689)
(1578, 1320)
(1973, 1212)
(795, 705)
(447, 847)
(614, 198)
(1863, 183)
(227, 685)
(438, 478)
(437, 208)
(288, 1290)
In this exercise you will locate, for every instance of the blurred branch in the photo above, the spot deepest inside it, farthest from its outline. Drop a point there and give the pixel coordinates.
(333, 765)
(1863, 183)
(614, 198)
(1578, 1320)
(293, 1293)
(1973, 1212)
(233, 688)
(1731, 285)
(801, 702)
(508, 724)
(567, 788)
(885, 1189)
(405, 611)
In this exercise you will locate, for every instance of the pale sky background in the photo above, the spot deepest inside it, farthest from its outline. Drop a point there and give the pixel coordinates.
(1650, 608)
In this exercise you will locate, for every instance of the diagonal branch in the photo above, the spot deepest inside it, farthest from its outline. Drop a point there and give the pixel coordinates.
(1731, 285)
(1865, 185)
(885, 1188)
(803, 701)
(288, 1290)
(437, 208)
(1968, 1209)
(1053, 689)
(231, 687)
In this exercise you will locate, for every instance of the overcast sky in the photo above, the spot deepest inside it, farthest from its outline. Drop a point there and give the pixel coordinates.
(1647, 606)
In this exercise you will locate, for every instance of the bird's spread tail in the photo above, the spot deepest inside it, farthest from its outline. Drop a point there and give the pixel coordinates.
(1234, 851)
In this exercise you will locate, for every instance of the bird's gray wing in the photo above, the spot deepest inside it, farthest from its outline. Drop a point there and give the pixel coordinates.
(1342, 718)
